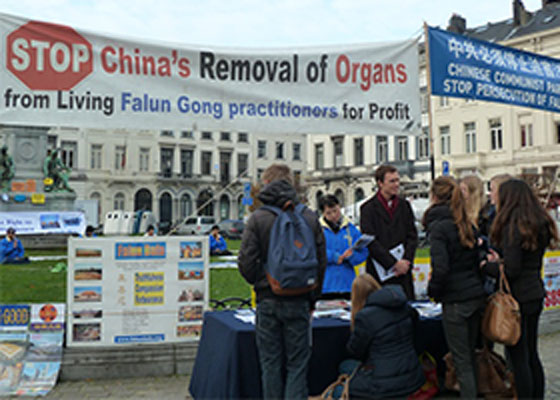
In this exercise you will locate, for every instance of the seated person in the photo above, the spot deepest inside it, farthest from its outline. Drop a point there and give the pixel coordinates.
(90, 232)
(218, 246)
(382, 338)
(151, 231)
(340, 235)
(12, 249)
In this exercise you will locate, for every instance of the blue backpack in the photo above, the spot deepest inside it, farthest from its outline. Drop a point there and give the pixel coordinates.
(291, 265)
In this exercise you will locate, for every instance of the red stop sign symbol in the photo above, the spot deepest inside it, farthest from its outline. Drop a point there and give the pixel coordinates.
(48, 56)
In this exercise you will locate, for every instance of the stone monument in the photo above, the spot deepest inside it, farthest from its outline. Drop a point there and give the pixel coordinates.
(23, 188)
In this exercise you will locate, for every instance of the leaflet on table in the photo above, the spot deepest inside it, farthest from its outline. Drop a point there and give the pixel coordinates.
(398, 253)
(336, 313)
(247, 316)
(363, 241)
(427, 309)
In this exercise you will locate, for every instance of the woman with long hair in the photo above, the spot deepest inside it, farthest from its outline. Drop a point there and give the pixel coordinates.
(455, 280)
(523, 230)
(382, 338)
(472, 188)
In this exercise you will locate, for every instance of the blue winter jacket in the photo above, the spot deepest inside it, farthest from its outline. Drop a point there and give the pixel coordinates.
(339, 277)
(9, 252)
(217, 244)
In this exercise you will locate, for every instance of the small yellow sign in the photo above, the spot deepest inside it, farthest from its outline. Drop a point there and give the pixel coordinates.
(38, 198)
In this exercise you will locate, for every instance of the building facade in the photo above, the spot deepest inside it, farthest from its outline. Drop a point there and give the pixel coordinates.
(172, 173)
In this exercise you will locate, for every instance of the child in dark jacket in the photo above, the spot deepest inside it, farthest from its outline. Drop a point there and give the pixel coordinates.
(382, 339)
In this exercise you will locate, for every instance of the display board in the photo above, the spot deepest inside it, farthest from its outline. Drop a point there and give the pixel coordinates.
(31, 338)
(127, 290)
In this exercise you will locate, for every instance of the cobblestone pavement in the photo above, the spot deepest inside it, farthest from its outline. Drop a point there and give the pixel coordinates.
(176, 387)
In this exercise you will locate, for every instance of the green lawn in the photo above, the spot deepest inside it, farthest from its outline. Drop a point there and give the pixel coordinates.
(35, 283)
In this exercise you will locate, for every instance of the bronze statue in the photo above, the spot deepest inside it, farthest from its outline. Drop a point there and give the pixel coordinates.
(54, 168)
(6, 169)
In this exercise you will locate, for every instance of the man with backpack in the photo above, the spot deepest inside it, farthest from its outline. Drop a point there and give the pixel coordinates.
(283, 256)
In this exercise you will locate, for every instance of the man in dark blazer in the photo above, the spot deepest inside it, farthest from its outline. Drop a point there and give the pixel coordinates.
(390, 219)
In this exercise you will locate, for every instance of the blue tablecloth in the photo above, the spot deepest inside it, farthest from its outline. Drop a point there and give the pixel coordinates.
(227, 365)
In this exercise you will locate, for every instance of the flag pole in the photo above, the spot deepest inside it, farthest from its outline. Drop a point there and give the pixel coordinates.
(429, 94)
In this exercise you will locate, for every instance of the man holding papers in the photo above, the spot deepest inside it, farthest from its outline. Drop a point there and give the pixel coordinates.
(389, 218)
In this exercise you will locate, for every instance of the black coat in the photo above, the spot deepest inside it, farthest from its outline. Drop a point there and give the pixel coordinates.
(256, 235)
(456, 274)
(383, 339)
(522, 267)
(389, 233)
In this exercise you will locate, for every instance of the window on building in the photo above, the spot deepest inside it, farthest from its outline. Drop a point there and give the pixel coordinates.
(402, 148)
(297, 177)
(496, 134)
(444, 101)
(338, 152)
(359, 151)
(470, 137)
(319, 156)
(242, 163)
(225, 136)
(445, 135)
(279, 150)
(166, 133)
(340, 196)
(96, 156)
(69, 153)
(242, 137)
(261, 149)
(144, 159)
(206, 135)
(120, 157)
(185, 206)
(259, 173)
(187, 157)
(382, 149)
(558, 133)
(423, 145)
(187, 134)
(166, 161)
(526, 131)
(118, 201)
(296, 151)
(206, 163)
(424, 100)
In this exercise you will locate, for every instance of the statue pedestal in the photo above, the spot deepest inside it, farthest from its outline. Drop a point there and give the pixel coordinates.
(28, 148)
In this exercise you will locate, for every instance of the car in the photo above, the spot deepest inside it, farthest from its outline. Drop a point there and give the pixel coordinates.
(231, 228)
(196, 226)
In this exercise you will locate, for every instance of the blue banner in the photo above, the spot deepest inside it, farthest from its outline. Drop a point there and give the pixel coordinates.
(473, 69)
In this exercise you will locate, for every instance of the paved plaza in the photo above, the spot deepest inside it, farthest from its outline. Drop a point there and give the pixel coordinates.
(176, 387)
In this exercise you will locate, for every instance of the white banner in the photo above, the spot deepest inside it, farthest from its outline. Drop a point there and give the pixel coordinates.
(62, 76)
(125, 290)
(33, 223)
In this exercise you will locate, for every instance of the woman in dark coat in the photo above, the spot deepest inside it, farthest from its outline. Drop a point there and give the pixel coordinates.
(382, 338)
(455, 281)
(523, 230)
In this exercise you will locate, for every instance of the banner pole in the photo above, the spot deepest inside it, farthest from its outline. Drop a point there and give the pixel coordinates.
(429, 94)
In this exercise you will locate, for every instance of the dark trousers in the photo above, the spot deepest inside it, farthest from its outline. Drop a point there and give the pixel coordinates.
(283, 340)
(461, 323)
(524, 356)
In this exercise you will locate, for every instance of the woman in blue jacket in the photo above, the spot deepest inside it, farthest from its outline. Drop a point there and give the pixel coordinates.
(340, 235)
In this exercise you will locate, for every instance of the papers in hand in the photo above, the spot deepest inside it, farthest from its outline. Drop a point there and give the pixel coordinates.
(363, 241)
(384, 274)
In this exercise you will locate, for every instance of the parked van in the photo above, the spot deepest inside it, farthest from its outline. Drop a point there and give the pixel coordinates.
(196, 226)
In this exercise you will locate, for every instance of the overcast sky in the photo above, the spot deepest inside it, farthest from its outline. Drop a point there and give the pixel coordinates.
(262, 23)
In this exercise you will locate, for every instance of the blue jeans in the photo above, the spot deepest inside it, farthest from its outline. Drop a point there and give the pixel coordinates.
(283, 340)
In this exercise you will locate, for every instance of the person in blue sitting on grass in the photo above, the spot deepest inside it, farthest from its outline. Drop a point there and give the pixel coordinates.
(340, 235)
(12, 249)
(218, 245)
